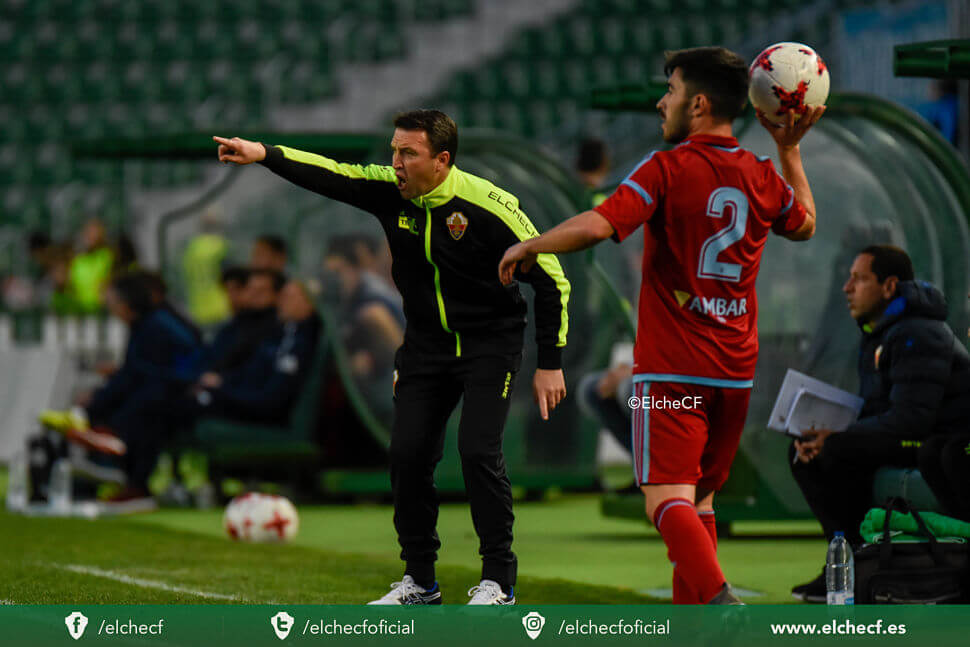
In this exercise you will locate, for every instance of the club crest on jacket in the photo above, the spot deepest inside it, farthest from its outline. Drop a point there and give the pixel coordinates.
(457, 224)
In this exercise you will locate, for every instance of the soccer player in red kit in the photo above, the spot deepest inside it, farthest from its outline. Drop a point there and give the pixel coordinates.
(707, 207)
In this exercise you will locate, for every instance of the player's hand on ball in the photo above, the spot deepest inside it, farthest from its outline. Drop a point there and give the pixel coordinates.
(548, 390)
(516, 255)
(240, 151)
(791, 131)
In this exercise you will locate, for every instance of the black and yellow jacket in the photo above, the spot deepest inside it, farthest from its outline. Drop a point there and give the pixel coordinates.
(446, 246)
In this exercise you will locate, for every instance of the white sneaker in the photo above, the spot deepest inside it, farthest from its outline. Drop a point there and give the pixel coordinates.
(489, 592)
(408, 592)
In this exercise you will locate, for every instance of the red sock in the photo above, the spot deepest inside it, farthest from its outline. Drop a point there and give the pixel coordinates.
(689, 547)
(682, 594)
(710, 525)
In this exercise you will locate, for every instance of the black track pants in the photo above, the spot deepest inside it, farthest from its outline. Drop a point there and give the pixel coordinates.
(426, 392)
(837, 484)
(944, 462)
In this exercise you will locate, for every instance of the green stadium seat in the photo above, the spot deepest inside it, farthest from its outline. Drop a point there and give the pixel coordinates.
(573, 81)
(580, 36)
(613, 37)
(461, 87)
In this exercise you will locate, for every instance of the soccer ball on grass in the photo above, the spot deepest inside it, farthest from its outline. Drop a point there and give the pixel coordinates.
(261, 518)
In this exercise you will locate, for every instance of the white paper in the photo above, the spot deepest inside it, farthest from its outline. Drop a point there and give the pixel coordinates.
(805, 403)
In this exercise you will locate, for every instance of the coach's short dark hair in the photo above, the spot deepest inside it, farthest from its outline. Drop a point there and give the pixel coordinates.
(274, 242)
(889, 260)
(441, 130)
(717, 73)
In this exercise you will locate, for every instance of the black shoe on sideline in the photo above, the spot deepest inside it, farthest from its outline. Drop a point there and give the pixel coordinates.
(813, 591)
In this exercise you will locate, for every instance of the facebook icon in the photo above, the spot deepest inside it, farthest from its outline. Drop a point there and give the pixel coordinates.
(76, 623)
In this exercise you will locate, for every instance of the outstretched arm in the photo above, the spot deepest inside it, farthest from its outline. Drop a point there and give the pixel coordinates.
(367, 187)
(578, 233)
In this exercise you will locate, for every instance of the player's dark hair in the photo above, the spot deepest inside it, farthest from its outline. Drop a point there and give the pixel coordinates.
(441, 130)
(889, 260)
(235, 274)
(274, 242)
(135, 291)
(591, 155)
(278, 279)
(717, 73)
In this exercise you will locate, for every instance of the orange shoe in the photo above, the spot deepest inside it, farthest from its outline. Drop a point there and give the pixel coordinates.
(99, 441)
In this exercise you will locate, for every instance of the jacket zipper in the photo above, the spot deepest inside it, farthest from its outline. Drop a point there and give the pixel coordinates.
(437, 282)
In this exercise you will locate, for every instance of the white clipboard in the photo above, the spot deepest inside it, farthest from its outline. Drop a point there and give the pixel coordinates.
(804, 403)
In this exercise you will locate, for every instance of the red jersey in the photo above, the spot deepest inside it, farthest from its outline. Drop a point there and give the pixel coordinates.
(707, 207)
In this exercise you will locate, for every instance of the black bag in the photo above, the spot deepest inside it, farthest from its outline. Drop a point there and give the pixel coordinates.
(930, 572)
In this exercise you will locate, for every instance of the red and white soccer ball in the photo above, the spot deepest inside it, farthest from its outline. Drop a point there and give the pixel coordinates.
(787, 76)
(261, 518)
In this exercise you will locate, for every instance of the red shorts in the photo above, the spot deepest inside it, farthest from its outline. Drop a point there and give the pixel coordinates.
(686, 433)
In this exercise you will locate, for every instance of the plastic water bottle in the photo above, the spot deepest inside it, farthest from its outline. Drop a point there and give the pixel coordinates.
(17, 483)
(60, 492)
(839, 572)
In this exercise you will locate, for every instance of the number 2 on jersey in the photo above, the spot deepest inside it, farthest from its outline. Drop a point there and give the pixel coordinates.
(733, 201)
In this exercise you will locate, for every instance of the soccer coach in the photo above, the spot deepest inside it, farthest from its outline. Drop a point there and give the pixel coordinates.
(447, 231)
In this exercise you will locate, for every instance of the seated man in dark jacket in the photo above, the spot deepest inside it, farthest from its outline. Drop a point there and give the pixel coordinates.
(944, 462)
(265, 387)
(914, 377)
(253, 321)
(157, 365)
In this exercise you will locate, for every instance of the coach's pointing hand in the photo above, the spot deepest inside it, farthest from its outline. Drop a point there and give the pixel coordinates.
(548, 389)
(240, 151)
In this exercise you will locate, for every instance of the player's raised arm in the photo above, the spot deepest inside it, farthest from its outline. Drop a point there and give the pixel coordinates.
(578, 233)
(787, 137)
(367, 187)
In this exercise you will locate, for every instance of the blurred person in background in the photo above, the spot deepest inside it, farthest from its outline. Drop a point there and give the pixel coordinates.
(269, 252)
(943, 110)
(233, 280)
(254, 297)
(160, 297)
(132, 405)
(126, 254)
(371, 316)
(593, 166)
(90, 269)
(32, 286)
(374, 256)
(267, 384)
(158, 293)
(202, 261)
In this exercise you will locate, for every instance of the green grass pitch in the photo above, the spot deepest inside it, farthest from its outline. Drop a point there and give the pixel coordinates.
(568, 553)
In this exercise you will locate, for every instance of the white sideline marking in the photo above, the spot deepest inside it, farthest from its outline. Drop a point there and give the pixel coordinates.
(7, 602)
(136, 581)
